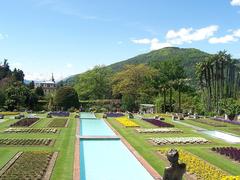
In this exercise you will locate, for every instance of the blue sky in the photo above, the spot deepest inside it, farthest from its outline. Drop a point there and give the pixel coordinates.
(71, 36)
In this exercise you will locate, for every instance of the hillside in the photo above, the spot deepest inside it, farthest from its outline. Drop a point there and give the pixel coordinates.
(188, 57)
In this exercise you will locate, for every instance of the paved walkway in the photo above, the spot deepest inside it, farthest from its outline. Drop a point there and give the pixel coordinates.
(189, 125)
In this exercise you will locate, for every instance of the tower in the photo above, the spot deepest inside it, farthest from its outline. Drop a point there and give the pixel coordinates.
(53, 80)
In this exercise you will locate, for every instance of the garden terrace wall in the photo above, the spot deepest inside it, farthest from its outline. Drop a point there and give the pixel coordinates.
(231, 152)
(25, 122)
(32, 130)
(30, 165)
(27, 142)
(158, 122)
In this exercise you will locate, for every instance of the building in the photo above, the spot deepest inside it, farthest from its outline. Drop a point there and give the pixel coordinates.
(147, 108)
(48, 86)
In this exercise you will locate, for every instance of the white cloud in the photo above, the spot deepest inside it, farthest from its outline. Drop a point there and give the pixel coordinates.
(188, 35)
(69, 65)
(154, 43)
(224, 39)
(178, 37)
(235, 2)
(44, 76)
(142, 41)
(233, 37)
(236, 33)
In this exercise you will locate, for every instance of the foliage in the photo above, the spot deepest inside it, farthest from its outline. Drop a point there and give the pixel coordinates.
(133, 83)
(219, 78)
(66, 97)
(94, 84)
(230, 106)
(39, 91)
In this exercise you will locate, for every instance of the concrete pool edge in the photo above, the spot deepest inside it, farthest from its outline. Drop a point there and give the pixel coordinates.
(143, 162)
(76, 168)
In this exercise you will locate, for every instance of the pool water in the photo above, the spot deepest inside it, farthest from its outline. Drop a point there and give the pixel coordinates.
(87, 115)
(95, 127)
(224, 136)
(103, 159)
(109, 160)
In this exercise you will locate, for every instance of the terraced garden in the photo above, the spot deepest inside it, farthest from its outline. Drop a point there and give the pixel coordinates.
(191, 143)
(39, 143)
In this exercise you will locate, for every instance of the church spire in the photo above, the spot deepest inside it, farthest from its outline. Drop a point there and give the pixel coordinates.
(53, 80)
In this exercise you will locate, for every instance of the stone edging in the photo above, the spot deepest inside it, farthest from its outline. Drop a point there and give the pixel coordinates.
(50, 167)
(76, 168)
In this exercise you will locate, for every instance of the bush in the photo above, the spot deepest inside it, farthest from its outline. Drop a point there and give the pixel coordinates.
(66, 97)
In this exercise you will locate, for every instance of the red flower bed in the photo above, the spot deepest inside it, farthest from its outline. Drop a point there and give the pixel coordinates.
(25, 122)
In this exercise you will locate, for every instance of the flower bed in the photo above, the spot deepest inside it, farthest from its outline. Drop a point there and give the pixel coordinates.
(58, 122)
(126, 122)
(25, 122)
(159, 130)
(31, 130)
(231, 152)
(210, 122)
(26, 142)
(59, 113)
(157, 122)
(179, 140)
(10, 113)
(115, 115)
(29, 165)
(227, 121)
(166, 115)
(198, 167)
(231, 178)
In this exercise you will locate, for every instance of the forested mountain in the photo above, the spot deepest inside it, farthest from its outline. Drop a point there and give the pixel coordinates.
(188, 57)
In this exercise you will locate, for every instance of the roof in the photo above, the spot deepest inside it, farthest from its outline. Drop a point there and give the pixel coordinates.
(46, 82)
(147, 105)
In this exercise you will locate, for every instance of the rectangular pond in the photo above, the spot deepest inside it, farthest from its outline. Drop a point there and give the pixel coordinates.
(87, 115)
(106, 159)
(224, 136)
(95, 127)
(109, 160)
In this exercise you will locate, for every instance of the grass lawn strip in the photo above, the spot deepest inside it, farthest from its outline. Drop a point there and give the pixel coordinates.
(10, 163)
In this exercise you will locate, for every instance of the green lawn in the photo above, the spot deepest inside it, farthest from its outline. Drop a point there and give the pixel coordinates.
(148, 151)
(64, 144)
